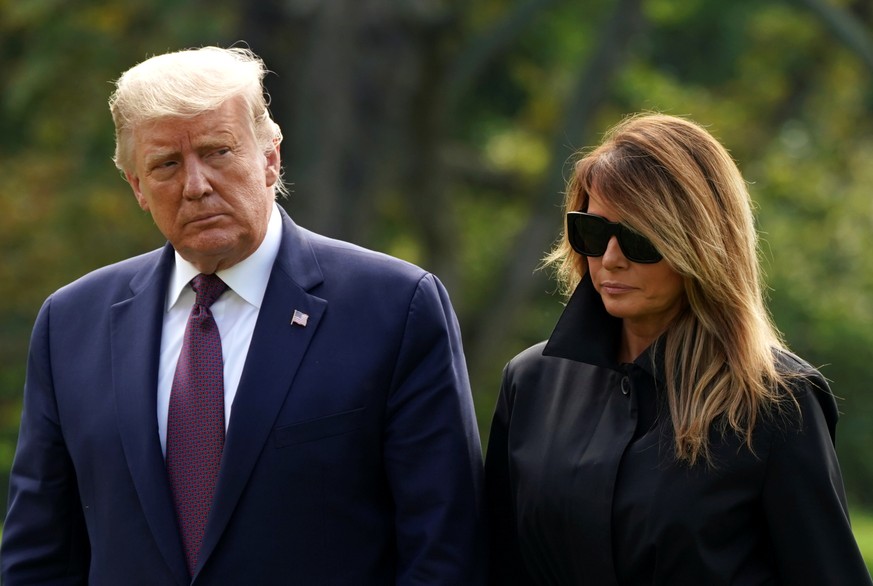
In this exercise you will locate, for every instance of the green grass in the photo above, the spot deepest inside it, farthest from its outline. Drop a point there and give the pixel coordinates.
(862, 524)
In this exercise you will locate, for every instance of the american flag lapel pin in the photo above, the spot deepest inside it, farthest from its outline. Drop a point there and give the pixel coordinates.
(299, 318)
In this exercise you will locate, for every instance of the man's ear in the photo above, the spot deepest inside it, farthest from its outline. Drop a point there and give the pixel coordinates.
(137, 192)
(273, 165)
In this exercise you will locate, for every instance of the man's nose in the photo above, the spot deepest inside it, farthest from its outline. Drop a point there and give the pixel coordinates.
(196, 180)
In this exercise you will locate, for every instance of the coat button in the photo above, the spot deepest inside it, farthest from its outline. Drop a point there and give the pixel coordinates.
(625, 386)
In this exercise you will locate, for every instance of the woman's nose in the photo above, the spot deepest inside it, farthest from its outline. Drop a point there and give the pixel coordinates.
(613, 256)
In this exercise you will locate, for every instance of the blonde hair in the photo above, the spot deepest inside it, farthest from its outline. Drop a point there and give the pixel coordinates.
(672, 182)
(188, 83)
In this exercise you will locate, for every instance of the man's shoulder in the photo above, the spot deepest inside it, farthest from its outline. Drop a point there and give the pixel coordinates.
(112, 276)
(351, 259)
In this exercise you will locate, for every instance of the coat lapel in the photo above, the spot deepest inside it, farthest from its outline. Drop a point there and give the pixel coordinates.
(276, 351)
(134, 375)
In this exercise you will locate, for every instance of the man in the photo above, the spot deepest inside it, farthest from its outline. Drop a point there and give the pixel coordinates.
(303, 418)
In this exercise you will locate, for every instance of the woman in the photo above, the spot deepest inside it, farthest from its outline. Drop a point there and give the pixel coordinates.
(664, 434)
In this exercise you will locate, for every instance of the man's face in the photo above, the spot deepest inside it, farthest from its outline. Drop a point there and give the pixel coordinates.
(207, 184)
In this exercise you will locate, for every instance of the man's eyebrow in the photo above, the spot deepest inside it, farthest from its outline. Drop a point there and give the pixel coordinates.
(159, 154)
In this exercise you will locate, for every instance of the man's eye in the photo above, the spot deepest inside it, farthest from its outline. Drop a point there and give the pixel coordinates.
(163, 169)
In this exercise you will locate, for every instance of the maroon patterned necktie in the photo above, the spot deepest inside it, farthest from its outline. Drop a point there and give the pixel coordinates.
(195, 423)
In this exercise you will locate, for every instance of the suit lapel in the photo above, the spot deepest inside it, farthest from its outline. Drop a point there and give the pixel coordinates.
(134, 375)
(275, 354)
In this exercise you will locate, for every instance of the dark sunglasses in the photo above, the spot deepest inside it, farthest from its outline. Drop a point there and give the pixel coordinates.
(589, 235)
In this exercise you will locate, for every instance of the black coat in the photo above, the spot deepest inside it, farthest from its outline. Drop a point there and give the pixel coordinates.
(584, 489)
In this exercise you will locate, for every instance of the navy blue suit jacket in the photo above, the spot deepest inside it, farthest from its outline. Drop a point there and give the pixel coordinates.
(352, 455)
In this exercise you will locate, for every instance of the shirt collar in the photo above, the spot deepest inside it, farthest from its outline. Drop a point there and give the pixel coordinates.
(585, 332)
(248, 278)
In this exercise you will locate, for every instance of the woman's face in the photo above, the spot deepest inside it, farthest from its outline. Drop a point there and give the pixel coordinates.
(645, 296)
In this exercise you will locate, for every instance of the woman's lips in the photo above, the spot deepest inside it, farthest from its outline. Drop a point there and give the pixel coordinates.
(614, 288)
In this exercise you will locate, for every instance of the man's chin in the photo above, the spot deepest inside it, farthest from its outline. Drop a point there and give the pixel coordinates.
(212, 255)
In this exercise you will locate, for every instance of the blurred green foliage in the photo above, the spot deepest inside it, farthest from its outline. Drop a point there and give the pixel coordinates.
(863, 527)
(440, 130)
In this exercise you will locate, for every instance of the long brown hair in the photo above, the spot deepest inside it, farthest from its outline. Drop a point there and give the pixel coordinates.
(672, 182)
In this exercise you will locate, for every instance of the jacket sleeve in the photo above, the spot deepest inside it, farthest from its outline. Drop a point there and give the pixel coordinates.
(804, 500)
(44, 535)
(506, 567)
(432, 453)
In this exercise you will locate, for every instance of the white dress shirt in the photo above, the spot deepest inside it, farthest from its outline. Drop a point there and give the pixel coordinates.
(235, 313)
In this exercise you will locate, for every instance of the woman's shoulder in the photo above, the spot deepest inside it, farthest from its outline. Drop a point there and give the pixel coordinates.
(527, 362)
(799, 375)
(535, 371)
(809, 390)
(528, 357)
(536, 362)
(787, 362)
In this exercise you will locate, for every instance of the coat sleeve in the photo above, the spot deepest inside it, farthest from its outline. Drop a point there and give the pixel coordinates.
(432, 453)
(804, 500)
(506, 567)
(44, 535)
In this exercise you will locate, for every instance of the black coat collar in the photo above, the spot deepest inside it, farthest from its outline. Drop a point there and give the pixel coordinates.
(585, 332)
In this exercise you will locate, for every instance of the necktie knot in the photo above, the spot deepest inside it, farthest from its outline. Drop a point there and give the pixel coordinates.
(208, 288)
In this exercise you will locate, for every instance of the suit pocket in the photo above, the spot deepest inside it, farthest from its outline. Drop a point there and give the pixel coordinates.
(319, 428)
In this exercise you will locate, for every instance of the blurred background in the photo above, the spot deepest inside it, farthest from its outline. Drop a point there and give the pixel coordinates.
(441, 131)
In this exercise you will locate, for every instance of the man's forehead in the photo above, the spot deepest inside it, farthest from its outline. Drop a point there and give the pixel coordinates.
(206, 128)
(230, 114)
